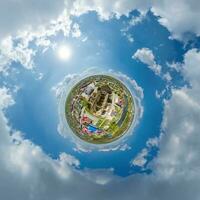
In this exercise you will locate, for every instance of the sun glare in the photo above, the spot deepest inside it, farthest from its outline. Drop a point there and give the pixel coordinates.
(64, 52)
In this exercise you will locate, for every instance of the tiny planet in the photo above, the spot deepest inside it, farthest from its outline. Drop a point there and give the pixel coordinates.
(99, 109)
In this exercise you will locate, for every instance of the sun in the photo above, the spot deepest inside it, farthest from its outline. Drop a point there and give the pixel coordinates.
(64, 52)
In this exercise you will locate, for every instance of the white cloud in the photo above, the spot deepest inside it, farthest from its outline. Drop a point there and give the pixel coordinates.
(180, 16)
(17, 48)
(58, 89)
(19, 53)
(108, 9)
(120, 147)
(31, 21)
(167, 76)
(34, 16)
(129, 37)
(152, 142)
(176, 169)
(6, 99)
(99, 176)
(180, 146)
(141, 158)
(76, 31)
(146, 56)
(135, 20)
(22, 14)
(175, 66)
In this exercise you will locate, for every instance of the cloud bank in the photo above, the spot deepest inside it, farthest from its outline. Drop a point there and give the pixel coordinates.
(179, 16)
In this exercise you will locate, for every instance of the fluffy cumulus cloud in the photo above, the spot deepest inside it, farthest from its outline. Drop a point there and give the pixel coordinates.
(32, 23)
(141, 158)
(19, 53)
(17, 16)
(180, 16)
(37, 21)
(22, 14)
(180, 149)
(31, 174)
(108, 9)
(146, 56)
(6, 99)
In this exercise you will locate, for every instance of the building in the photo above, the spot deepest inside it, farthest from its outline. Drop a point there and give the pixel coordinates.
(89, 89)
(99, 101)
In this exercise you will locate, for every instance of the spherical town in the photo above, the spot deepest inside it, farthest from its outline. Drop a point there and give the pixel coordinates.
(99, 109)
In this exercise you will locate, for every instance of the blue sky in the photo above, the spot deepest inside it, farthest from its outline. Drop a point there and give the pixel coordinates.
(35, 113)
(138, 39)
